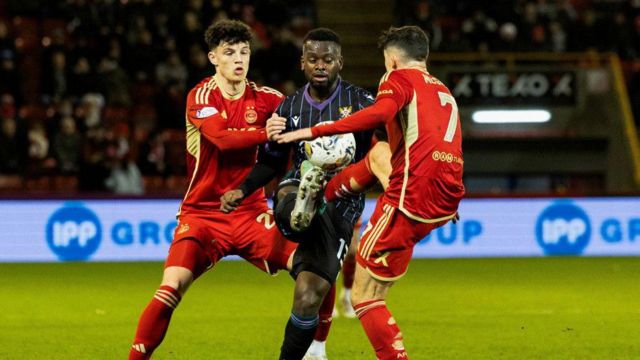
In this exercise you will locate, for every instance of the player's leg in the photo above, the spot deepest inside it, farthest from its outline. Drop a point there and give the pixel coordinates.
(186, 261)
(368, 296)
(317, 350)
(358, 177)
(348, 273)
(383, 257)
(316, 265)
(309, 292)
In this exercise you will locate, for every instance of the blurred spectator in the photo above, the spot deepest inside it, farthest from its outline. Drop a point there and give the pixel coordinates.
(93, 168)
(10, 79)
(172, 70)
(480, 29)
(558, 37)
(55, 83)
(82, 80)
(114, 82)
(67, 147)
(90, 110)
(199, 66)
(124, 176)
(152, 157)
(423, 17)
(12, 147)
(38, 149)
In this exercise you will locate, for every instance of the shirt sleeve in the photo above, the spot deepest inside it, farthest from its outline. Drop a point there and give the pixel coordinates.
(213, 126)
(380, 113)
(395, 86)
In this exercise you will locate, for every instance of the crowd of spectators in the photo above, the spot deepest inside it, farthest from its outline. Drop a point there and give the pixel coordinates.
(527, 25)
(111, 78)
(98, 93)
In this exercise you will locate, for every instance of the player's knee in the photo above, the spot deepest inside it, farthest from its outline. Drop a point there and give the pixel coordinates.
(178, 278)
(308, 300)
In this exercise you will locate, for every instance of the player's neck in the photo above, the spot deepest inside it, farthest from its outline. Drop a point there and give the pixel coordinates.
(322, 94)
(416, 65)
(230, 89)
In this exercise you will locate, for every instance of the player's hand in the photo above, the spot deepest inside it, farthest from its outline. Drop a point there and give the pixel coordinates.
(275, 125)
(456, 218)
(293, 136)
(230, 200)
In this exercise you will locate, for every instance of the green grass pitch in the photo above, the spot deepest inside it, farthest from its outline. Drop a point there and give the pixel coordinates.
(540, 308)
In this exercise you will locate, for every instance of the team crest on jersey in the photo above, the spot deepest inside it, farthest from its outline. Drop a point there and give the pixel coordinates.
(206, 112)
(344, 111)
(250, 116)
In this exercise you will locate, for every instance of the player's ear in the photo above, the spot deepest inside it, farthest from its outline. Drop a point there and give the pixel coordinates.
(340, 62)
(302, 62)
(212, 58)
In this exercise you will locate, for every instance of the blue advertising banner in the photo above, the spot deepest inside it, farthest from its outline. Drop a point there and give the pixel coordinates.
(134, 230)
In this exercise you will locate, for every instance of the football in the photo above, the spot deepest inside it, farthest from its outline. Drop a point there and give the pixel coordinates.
(331, 153)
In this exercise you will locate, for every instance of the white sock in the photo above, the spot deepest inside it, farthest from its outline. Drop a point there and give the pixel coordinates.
(317, 348)
(347, 295)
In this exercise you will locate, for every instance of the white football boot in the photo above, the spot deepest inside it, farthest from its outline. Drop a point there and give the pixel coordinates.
(312, 180)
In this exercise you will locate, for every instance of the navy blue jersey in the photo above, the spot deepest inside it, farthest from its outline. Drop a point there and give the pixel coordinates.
(301, 111)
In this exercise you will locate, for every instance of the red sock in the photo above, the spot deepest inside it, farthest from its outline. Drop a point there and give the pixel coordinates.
(154, 322)
(381, 329)
(340, 185)
(324, 314)
(348, 271)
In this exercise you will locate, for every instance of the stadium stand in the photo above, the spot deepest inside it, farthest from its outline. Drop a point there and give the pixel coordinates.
(106, 80)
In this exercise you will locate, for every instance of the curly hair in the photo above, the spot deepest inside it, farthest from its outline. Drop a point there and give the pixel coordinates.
(229, 31)
(410, 39)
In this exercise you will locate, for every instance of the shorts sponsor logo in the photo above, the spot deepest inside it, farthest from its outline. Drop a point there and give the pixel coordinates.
(563, 228)
(73, 232)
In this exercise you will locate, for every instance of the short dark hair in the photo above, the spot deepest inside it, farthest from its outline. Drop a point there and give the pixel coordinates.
(322, 34)
(229, 31)
(410, 39)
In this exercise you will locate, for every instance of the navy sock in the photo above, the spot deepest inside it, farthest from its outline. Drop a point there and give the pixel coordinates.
(298, 336)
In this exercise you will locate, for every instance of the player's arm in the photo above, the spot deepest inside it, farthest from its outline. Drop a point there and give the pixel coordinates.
(366, 119)
(272, 160)
(392, 96)
(213, 126)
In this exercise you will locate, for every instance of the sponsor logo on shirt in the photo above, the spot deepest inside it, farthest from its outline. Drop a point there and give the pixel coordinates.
(206, 112)
(385, 92)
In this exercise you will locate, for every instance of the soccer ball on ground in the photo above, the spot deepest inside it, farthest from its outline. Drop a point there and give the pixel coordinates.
(331, 153)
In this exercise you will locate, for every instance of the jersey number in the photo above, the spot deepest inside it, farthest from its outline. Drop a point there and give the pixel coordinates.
(266, 219)
(453, 119)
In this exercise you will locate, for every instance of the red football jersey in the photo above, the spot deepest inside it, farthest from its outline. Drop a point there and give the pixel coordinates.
(425, 138)
(222, 138)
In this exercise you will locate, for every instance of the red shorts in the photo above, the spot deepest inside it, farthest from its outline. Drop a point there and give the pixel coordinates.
(249, 232)
(387, 243)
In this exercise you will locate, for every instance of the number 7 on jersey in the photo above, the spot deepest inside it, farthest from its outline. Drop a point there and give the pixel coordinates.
(453, 118)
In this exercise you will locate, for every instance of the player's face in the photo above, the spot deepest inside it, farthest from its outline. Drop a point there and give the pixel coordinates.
(321, 62)
(231, 61)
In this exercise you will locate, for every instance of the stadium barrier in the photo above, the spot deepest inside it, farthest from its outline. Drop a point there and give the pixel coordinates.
(142, 229)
